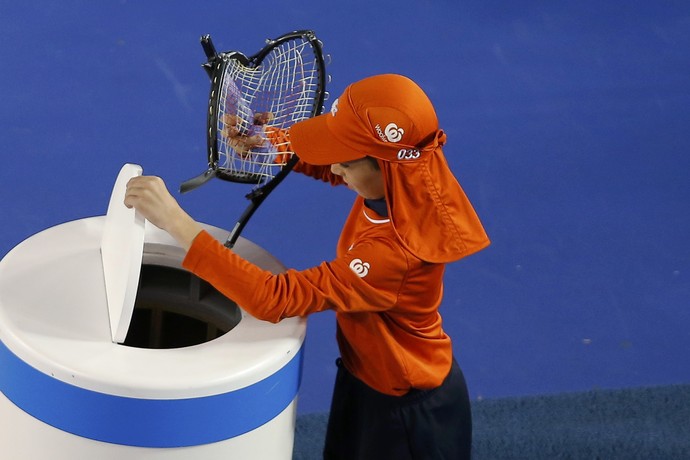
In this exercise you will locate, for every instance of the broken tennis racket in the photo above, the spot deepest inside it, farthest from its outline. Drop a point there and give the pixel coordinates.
(252, 103)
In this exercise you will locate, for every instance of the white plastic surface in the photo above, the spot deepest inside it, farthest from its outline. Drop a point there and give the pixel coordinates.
(53, 316)
(122, 249)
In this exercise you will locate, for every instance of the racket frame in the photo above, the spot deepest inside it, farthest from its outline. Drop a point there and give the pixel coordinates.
(215, 67)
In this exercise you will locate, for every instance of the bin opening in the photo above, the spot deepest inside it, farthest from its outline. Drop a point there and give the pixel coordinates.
(175, 309)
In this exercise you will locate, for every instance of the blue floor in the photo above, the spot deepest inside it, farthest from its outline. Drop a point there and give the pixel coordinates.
(568, 125)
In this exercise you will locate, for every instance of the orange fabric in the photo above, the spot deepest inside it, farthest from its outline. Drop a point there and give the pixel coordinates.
(389, 328)
(322, 173)
(432, 217)
(385, 116)
(431, 214)
(280, 138)
(390, 118)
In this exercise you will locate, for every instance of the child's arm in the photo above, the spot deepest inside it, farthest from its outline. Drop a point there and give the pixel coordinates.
(280, 138)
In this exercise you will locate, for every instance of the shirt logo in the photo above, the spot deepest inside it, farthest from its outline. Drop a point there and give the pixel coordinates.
(360, 268)
(334, 107)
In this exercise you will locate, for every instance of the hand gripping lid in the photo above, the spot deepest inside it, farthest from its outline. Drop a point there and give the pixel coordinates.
(122, 250)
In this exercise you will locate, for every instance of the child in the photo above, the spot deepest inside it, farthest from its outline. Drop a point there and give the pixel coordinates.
(399, 393)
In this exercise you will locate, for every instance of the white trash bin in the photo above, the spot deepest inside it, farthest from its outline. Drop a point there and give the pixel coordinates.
(195, 377)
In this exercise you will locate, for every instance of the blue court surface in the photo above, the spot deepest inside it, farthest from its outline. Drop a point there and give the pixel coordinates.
(568, 126)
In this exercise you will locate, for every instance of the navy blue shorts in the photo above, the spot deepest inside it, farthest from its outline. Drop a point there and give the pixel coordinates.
(421, 425)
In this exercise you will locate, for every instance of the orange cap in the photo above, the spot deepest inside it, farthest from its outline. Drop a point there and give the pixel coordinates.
(387, 117)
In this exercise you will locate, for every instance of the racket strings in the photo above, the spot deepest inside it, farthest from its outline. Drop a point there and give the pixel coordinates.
(255, 101)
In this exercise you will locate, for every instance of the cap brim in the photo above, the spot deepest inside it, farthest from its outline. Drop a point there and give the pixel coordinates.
(314, 143)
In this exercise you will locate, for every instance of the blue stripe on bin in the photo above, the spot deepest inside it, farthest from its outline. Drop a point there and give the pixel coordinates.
(147, 422)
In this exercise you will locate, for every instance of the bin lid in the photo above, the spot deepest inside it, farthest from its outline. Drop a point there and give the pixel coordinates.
(122, 249)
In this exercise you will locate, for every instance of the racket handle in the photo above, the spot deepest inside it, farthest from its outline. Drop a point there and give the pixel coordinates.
(242, 221)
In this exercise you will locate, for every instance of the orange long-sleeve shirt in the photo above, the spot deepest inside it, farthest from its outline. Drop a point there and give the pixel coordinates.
(386, 300)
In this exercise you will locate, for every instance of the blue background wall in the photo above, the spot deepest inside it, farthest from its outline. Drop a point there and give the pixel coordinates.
(568, 126)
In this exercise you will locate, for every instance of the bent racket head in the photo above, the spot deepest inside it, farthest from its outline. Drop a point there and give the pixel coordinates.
(252, 103)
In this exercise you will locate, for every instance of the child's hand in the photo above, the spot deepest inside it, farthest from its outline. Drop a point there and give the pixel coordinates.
(241, 138)
(150, 196)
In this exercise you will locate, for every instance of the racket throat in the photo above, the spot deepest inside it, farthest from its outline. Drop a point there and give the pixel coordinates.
(242, 221)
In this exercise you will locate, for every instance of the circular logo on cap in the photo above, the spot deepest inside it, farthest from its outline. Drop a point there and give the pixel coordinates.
(393, 133)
